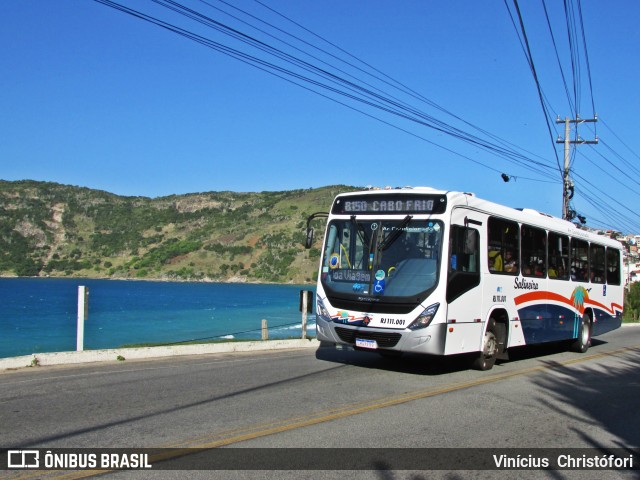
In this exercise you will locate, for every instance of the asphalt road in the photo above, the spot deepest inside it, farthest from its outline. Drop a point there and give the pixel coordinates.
(545, 397)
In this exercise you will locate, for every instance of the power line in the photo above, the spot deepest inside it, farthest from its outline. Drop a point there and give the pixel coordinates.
(621, 141)
(529, 56)
(394, 107)
(607, 195)
(629, 175)
(555, 48)
(350, 90)
(575, 30)
(574, 54)
(345, 88)
(608, 172)
(586, 56)
(391, 81)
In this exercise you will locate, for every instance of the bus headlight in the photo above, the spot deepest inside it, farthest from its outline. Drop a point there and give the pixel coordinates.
(321, 310)
(424, 319)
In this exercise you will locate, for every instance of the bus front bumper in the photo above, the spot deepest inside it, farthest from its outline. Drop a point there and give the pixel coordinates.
(429, 340)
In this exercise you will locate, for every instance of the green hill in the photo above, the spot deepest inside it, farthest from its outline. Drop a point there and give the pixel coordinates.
(48, 229)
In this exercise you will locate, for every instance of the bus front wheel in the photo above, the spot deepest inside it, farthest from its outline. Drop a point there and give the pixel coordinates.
(486, 358)
(583, 342)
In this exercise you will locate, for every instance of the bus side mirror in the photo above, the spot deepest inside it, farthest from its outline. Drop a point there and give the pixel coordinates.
(309, 241)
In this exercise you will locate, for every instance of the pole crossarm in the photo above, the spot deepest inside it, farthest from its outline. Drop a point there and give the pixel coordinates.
(578, 141)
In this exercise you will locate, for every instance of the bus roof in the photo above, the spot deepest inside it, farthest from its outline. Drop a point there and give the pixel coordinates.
(470, 200)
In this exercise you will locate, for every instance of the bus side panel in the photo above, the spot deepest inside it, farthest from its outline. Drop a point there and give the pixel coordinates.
(562, 324)
(548, 323)
(607, 312)
(516, 334)
(603, 322)
(555, 314)
(548, 313)
(500, 296)
(463, 337)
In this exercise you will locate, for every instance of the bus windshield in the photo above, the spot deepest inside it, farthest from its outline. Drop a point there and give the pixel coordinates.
(387, 260)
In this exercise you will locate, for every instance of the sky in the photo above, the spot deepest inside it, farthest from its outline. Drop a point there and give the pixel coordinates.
(93, 96)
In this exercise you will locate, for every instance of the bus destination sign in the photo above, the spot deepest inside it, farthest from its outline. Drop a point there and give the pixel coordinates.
(389, 204)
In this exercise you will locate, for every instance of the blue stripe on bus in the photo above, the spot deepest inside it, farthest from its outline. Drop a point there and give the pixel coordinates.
(551, 323)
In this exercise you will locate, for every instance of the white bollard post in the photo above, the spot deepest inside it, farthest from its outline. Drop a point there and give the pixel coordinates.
(83, 313)
(306, 306)
(305, 300)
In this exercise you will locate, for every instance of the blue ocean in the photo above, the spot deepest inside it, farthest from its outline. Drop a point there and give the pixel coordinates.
(40, 314)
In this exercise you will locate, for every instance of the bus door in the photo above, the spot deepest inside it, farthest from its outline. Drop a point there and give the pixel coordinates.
(464, 289)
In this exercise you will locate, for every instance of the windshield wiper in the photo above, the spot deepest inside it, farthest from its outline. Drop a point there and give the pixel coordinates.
(359, 230)
(386, 243)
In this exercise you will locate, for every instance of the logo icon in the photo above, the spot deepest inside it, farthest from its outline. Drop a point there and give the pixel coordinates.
(578, 297)
(23, 459)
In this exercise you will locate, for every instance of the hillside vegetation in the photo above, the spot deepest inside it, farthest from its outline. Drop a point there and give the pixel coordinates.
(48, 229)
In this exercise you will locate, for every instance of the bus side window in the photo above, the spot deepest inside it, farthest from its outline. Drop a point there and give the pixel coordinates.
(558, 256)
(504, 246)
(597, 265)
(579, 260)
(534, 252)
(464, 272)
(613, 266)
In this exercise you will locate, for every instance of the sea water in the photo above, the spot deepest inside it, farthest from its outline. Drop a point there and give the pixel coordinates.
(40, 314)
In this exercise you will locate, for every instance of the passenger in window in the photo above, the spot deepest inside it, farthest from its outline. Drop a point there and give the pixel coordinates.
(553, 273)
(510, 264)
(495, 261)
(581, 275)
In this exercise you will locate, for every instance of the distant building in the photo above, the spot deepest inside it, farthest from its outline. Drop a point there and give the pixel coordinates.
(632, 259)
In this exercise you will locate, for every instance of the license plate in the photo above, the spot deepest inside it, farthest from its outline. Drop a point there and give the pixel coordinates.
(366, 343)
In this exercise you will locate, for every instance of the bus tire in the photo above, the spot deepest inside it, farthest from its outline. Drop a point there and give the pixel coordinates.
(486, 358)
(583, 342)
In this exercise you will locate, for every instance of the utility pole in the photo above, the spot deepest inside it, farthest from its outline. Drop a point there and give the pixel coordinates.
(567, 184)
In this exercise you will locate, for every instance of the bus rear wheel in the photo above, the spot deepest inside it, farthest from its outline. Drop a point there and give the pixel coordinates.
(583, 342)
(486, 358)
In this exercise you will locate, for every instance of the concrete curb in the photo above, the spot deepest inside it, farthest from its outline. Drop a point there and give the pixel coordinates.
(88, 356)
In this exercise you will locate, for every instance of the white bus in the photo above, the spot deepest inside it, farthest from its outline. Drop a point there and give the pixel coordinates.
(444, 273)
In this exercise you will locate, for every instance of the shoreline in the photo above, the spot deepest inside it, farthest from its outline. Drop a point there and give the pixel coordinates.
(231, 281)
